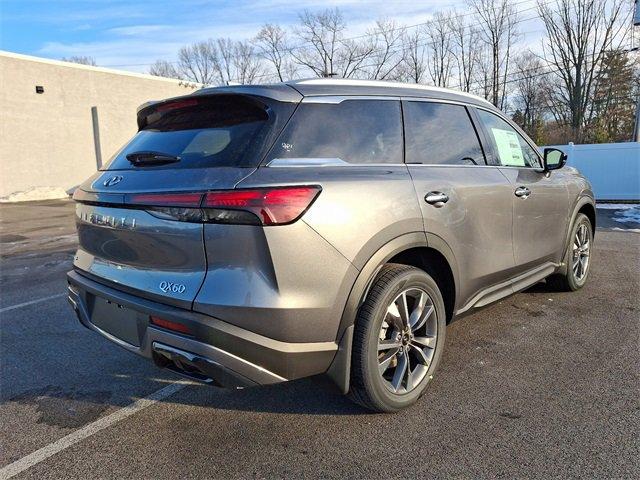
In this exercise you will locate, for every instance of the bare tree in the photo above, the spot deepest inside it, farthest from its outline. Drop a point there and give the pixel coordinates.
(247, 66)
(413, 66)
(440, 47)
(386, 52)
(198, 62)
(497, 21)
(162, 68)
(272, 45)
(81, 59)
(530, 95)
(219, 62)
(322, 32)
(352, 56)
(465, 39)
(325, 51)
(579, 34)
(236, 61)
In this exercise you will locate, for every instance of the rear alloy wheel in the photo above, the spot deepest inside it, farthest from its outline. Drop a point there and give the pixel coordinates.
(407, 340)
(398, 339)
(577, 257)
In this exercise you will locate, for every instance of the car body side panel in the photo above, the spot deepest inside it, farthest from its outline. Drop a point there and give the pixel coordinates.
(361, 207)
(540, 220)
(475, 223)
(285, 282)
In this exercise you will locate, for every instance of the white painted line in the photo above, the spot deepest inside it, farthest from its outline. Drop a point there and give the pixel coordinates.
(65, 442)
(32, 302)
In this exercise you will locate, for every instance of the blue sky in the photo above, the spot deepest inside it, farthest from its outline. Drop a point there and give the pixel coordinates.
(133, 34)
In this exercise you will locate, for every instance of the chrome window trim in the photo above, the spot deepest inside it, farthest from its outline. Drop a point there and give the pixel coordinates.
(306, 162)
(436, 100)
(337, 99)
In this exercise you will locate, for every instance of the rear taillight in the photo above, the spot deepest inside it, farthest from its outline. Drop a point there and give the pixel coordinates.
(256, 206)
(272, 206)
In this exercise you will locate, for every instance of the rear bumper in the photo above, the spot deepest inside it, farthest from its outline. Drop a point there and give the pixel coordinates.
(217, 352)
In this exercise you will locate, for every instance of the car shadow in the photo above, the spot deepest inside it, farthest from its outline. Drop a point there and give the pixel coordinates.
(540, 287)
(309, 396)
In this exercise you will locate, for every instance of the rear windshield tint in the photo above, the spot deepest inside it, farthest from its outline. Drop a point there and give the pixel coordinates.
(219, 131)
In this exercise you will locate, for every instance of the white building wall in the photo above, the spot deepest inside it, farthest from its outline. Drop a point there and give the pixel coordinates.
(46, 140)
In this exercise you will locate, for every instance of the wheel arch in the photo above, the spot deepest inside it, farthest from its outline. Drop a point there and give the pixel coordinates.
(425, 251)
(589, 210)
(586, 205)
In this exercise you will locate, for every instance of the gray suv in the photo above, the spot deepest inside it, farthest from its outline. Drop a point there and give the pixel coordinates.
(250, 235)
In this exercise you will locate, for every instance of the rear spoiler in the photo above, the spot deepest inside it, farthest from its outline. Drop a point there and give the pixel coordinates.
(279, 92)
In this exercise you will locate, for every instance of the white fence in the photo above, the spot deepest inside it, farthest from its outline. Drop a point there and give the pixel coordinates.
(612, 168)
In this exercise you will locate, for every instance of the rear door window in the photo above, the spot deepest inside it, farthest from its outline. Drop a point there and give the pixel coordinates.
(440, 133)
(510, 148)
(214, 131)
(355, 131)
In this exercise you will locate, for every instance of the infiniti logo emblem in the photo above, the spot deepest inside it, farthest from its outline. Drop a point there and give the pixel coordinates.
(112, 181)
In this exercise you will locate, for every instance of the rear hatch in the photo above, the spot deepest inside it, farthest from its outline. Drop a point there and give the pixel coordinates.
(140, 225)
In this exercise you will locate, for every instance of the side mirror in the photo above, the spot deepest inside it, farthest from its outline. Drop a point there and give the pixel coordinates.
(554, 159)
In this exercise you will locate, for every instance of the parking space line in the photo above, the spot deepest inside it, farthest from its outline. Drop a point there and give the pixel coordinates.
(32, 302)
(65, 442)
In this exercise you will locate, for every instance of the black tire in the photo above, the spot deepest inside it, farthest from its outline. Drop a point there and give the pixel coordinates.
(570, 281)
(368, 387)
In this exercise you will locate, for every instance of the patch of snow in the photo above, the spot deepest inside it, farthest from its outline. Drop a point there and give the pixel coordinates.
(628, 216)
(617, 206)
(634, 230)
(37, 193)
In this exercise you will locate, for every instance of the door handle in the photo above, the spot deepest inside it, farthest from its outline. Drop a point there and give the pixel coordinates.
(522, 192)
(437, 199)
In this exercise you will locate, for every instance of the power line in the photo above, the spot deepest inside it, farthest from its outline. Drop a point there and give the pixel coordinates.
(402, 46)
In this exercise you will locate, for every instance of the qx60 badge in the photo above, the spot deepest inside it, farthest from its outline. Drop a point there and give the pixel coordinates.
(170, 287)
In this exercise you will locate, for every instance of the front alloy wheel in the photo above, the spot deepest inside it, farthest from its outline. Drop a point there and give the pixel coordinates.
(577, 257)
(581, 249)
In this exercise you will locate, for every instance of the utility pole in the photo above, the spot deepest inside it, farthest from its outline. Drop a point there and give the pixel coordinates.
(96, 136)
(636, 130)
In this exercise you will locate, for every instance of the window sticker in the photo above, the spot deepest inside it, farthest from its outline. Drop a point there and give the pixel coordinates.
(509, 148)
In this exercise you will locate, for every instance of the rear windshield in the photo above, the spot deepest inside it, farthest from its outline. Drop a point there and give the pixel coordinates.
(218, 131)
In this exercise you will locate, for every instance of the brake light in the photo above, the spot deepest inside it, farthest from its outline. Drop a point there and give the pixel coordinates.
(169, 325)
(273, 206)
(163, 107)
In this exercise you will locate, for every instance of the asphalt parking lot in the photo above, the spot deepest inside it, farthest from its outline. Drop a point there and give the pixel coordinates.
(542, 384)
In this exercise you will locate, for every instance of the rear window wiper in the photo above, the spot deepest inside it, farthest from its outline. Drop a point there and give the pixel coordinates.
(143, 158)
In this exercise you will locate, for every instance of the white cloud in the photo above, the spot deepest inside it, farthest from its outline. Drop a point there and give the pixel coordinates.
(129, 43)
